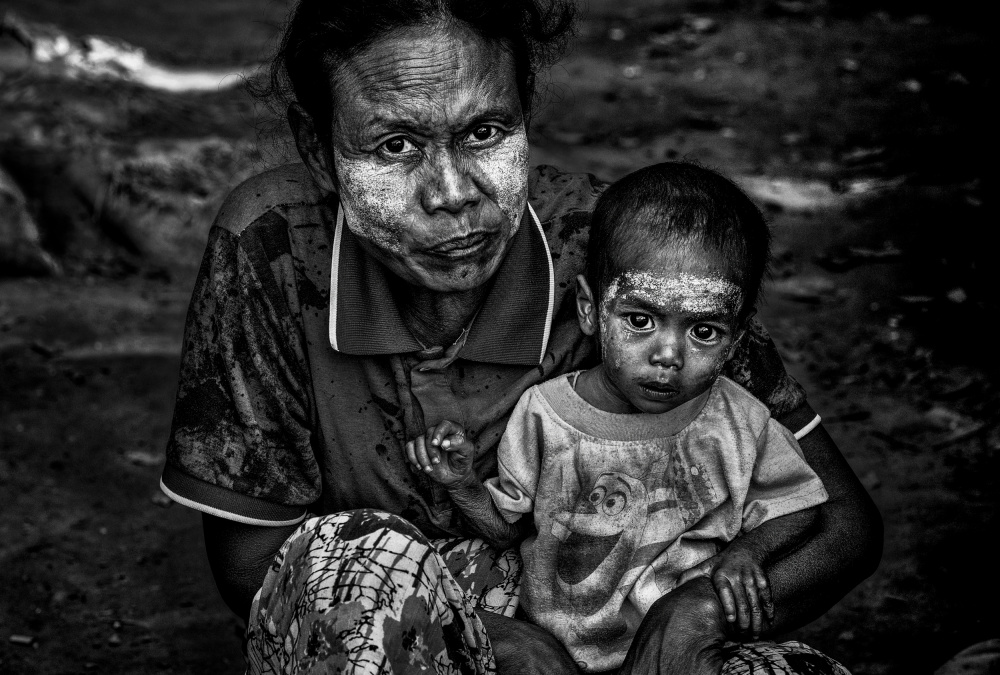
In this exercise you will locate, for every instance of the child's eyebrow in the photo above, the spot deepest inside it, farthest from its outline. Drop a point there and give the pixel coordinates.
(644, 305)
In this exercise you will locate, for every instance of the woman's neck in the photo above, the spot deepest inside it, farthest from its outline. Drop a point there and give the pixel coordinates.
(434, 318)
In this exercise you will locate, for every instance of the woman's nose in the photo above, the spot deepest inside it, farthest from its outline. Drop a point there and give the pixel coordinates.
(668, 352)
(449, 185)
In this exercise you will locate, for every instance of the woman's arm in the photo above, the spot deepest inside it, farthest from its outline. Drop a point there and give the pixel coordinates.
(240, 556)
(683, 632)
(845, 549)
(474, 501)
(522, 648)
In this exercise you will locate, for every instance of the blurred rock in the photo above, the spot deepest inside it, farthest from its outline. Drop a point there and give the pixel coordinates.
(161, 500)
(982, 658)
(99, 57)
(21, 252)
(957, 295)
(840, 259)
(871, 481)
(702, 24)
(809, 289)
(143, 457)
(850, 65)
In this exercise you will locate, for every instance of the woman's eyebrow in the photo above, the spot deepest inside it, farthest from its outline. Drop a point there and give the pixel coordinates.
(382, 122)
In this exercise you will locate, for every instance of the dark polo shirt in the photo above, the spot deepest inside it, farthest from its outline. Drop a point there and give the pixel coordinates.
(300, 385)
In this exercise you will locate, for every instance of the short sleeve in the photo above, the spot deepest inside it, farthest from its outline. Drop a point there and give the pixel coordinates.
(240, 441)
(782, 482)
(519, 460)
(757, 367)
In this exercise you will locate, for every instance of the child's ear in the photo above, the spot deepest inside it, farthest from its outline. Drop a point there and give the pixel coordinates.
(586, 308)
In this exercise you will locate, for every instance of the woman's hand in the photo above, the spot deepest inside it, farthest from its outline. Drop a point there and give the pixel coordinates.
(522, 648)
(444, 453)
(682, 634)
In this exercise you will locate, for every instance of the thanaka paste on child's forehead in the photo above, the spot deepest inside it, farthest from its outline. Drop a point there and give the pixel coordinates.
(685, 292)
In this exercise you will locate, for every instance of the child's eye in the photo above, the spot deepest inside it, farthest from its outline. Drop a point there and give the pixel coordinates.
(639, 321)
(704, 333)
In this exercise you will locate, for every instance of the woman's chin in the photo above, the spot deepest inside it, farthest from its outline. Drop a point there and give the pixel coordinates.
(456, 272)
(460, 278)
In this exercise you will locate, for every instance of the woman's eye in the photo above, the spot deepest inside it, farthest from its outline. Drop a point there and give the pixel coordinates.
(482, 133)
(704, 333)
(639, 321)
(397, 145)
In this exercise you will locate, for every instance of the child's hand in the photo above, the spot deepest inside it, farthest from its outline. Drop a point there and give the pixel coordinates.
(443, 453)
(742, 587)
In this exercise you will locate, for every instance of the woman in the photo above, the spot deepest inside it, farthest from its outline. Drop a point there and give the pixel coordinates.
(414, 269)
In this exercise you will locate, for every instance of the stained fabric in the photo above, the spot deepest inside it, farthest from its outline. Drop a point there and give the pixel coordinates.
(366, 593)
(271, 421)
(624, 504)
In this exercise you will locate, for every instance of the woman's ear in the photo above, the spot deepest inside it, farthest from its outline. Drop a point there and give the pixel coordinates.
(586, 307)
(313, 152)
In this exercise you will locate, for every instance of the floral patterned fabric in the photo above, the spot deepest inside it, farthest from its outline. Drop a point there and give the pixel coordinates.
(364, 592)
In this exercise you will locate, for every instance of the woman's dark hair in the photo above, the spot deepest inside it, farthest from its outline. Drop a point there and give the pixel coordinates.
(678, 204)
(323, 33)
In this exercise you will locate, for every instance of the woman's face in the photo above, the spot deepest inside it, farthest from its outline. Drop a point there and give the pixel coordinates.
(430, 154)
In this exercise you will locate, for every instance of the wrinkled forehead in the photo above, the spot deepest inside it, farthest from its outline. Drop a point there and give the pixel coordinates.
(438, 66)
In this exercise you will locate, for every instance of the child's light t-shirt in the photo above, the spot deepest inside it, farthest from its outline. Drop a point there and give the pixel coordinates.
(623, 504)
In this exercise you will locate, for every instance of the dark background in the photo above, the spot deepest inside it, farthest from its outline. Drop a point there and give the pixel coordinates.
(863, 129)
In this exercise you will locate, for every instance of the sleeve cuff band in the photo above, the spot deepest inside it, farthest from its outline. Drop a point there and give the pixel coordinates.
(807, 428)
(223, 503)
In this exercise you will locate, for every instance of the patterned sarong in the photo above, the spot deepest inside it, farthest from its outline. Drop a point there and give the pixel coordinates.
(364, 592)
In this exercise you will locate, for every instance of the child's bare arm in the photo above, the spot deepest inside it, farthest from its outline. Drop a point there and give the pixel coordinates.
(737, 572)
(445, 454)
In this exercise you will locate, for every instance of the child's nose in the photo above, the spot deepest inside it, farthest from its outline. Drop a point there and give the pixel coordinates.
(669, 352)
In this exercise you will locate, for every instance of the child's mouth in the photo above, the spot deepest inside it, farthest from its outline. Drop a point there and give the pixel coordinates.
(659, 390)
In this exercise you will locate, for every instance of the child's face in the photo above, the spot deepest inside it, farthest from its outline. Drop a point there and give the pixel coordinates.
(666, 327)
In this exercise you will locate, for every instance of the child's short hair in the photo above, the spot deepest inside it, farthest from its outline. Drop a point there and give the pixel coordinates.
(671, 204)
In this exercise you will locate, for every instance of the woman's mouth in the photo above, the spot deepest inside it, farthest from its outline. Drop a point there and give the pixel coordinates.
(460, 247)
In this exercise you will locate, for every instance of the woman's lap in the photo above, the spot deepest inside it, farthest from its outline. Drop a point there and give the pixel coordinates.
(366, 592)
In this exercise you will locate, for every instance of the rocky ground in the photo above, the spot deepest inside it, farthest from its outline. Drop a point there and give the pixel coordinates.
(863, 132)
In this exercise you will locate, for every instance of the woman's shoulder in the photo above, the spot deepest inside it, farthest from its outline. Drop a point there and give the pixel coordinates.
(285, 185)
(554, 193)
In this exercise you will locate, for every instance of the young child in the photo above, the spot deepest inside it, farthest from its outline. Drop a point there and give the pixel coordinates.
(639, 471)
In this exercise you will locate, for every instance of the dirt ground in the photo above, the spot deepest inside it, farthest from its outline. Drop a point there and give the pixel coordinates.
(864, 133)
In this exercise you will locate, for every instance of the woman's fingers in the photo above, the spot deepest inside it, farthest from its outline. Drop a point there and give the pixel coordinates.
(448, 435)
(764, 591)
(725, 593)
(742, 606)
(750, 589)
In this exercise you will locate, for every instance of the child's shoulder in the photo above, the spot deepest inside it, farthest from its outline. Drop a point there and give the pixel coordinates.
(554, 398)
(736, 398)
(551, 391)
